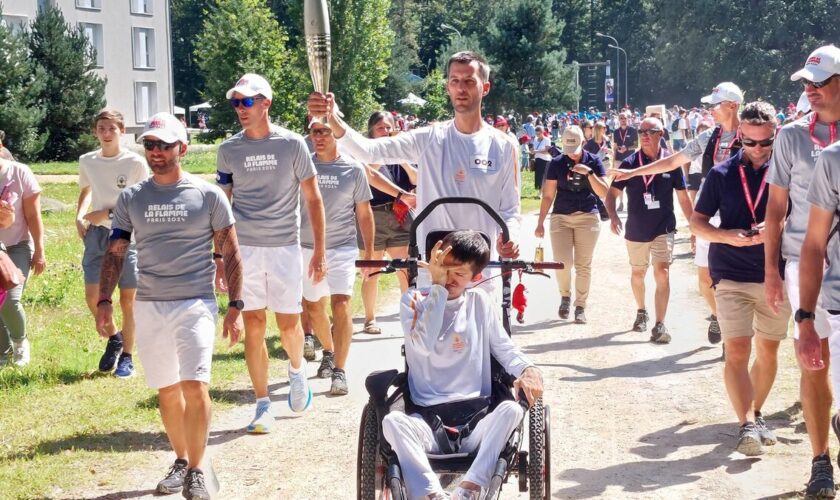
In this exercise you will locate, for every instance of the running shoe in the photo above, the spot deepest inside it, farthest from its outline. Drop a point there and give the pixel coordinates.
(565, 306)
(749, 442)
(300, 396)
(766, 435)
(194, 487)
(113, 349)
(339, 382)
(580, 316)
(125, 366)
(173, 482)
(309, 347)
(642, 318)
(21, 350)
(327, 365)
(659, 334)
(263, 418)
(821, 482)
(714, 330)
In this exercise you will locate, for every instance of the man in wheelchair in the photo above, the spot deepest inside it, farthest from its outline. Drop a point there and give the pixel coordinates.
(451, 333)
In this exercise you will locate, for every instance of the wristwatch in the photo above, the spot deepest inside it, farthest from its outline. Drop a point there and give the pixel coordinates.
(803, 315)
(110, 214)
(236, 304)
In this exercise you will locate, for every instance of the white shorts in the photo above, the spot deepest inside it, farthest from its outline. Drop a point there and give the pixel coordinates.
(272, 278)
(792, 285)
(175, 340)
(341, 273)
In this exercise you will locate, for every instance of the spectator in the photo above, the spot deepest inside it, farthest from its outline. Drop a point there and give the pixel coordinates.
(541, 157)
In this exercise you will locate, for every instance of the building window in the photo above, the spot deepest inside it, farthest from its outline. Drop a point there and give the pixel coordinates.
(16, 23)
(43, 4)
(145, 100)
(141, 7)
(89, 4)
(144, 47)
(93, 32)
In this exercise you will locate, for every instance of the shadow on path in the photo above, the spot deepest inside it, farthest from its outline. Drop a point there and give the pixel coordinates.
(640, 369)
(604, 340)
(124, 494)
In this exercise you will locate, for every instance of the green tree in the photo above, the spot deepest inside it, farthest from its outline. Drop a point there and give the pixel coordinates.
(187, 21)
(437, 106)
(72, 93)
(21, 82)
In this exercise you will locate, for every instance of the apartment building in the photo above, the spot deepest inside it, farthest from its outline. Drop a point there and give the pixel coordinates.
(133, 49)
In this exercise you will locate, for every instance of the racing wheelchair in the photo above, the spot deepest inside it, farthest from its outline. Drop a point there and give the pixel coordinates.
(378, 475)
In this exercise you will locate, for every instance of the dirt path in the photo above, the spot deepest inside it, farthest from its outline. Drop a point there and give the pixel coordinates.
(629, 419)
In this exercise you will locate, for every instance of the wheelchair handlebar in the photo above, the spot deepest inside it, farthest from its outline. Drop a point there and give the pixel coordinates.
(505, 264)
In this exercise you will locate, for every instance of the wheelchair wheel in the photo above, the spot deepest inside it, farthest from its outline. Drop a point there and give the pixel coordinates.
(396, 489)
(538, 468)
(370, 470)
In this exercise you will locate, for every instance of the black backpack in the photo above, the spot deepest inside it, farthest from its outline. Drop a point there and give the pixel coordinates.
(675, 125)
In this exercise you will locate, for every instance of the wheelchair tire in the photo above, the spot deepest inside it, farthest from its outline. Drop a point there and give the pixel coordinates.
(368, 455)
(536, 453)
(396, 488)
(547, 450)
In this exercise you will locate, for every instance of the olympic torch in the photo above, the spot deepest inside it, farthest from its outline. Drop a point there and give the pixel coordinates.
(316, 20)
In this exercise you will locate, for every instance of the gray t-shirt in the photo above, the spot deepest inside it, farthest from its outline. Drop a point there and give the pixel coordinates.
(791, 168)
(697, 146)
(173, 226)
(343, 183)
(265, 177)
(824, 193)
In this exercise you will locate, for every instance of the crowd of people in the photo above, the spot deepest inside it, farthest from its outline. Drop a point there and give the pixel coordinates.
(289, 214)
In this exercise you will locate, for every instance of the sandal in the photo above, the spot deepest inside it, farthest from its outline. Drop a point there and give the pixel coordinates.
(371, 328)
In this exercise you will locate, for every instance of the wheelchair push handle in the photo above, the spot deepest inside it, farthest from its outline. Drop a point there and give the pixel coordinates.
(456, 200)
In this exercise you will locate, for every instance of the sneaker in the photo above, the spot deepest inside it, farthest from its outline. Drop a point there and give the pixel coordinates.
(112, 353)
(659, 334)
(580, 317)
(194, 487)
(300, 396)
(714, 330)
(642, 318)
(125, 366)
(766, 435)
(309, 347)
(327, 365)
(339, 382)
(21, 352)
(173, 482)
(565, 305)
(460, 493)
(749, 442)
(821, 482)
(263, 418)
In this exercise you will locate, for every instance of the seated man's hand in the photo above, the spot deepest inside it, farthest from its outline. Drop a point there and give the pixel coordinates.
(531, 383)
(437, 270)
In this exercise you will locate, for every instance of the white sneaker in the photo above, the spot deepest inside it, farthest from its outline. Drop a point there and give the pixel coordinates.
(21, 349)
(300, 396)
(262, 419)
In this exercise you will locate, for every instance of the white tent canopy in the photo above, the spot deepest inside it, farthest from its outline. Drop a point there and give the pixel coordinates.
(178, 110)
(203, 105)
(413, 99)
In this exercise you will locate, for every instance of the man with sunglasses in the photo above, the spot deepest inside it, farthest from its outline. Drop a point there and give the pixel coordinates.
(736, 190)
(651, 224)
(264, 169)
(177, 221)
(798, 147)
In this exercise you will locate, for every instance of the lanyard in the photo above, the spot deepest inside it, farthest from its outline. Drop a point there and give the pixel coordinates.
(747, 196)
(832, 132)
(728, 148)
(623, 136)
(648, 179)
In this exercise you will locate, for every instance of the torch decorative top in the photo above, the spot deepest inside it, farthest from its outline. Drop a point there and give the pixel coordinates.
(316, 20)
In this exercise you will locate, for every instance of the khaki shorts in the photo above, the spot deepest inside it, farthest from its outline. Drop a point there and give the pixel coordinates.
(742, 311)
(660, 249)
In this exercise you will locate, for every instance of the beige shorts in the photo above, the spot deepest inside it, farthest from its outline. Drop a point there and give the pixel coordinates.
(742, 311)
(642, 253)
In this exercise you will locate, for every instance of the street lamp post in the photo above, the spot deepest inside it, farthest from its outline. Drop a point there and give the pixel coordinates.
(617, 68)
(626, 87)
(449, 27)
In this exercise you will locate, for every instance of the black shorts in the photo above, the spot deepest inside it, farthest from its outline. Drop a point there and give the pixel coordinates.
(694, 181)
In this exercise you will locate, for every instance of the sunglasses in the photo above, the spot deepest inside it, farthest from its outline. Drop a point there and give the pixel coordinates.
(649, 131)
(246, 101)
(818, 85)
(751, 143)
(150, 145)
(324, 132)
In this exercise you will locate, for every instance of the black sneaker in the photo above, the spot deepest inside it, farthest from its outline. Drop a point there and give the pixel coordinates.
(821, 483)
(766, 435)
(714, 330)
(749, 442)
(327, 365)
(113, 349)
(339, 383)
(580, 317)
(173, 482)
(642, 318)
(565, 306)
(309, 347)
(659, 334)
(194, 487)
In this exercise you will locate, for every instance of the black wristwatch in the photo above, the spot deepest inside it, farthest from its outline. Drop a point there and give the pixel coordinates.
(236, 304)
(803, 315)
(110, 214)
(590, 173)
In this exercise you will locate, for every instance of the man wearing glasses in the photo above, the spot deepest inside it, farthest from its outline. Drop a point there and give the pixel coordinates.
(651, 224)
(264, 169)
(737, 190)
(798, 148)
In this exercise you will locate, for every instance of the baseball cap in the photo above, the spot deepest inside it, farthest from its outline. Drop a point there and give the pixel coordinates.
(572, 140)
(165, 127)
(724, 91)
(500, 122)
(249, 85)
(822, 64)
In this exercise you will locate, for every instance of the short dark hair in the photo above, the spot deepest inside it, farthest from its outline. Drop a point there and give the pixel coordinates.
(467, 57)
(468, 247)
(758, 113)
(110, 114)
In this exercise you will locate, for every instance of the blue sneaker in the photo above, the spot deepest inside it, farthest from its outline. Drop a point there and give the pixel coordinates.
(300, 396)
(262, 419)
(125, 367)
(112, 353)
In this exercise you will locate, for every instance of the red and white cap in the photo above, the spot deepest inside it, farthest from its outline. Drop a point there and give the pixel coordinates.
(250, 85)
(821, 65)
(724, 91)
(165, 127)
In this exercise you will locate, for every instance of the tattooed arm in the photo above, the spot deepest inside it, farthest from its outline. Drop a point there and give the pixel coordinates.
(227, 244)
(112, 266)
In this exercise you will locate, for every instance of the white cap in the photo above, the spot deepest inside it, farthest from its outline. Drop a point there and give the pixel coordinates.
(572, 140)
(250, 85)
(165, 127)
(725, 91)
(822, 64)
(803, 105)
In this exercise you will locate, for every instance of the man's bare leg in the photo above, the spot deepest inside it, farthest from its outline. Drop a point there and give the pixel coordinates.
(256, 352)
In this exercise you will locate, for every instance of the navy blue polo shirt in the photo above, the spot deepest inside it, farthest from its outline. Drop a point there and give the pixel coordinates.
(722, 191)
(398, 176)
(646, 224)
(567, 201)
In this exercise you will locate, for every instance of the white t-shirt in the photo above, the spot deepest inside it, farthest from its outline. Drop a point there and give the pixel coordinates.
(108, 176)
(545, 142)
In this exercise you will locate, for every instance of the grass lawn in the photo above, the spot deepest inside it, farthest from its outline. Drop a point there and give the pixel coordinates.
(194, 162)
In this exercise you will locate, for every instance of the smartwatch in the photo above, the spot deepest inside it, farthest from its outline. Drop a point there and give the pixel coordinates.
(236, 304)
(110, 214)
(803, 315)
